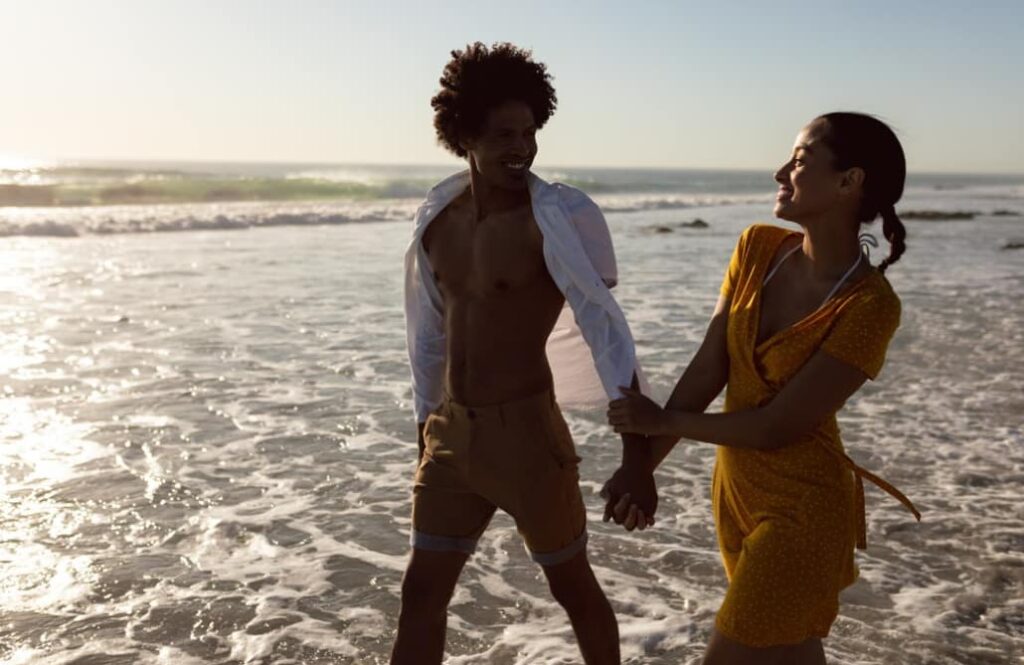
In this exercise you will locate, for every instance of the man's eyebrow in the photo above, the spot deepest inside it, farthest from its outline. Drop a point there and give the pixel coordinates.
(804, 147)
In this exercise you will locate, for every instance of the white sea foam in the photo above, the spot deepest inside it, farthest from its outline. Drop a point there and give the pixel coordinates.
(210, 448)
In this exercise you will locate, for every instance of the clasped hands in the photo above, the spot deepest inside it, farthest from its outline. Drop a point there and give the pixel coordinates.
(630, 495)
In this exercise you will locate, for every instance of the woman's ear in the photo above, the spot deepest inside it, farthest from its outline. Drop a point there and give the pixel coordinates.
(852, 180)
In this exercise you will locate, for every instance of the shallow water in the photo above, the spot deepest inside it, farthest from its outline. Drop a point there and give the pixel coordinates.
(207, 448)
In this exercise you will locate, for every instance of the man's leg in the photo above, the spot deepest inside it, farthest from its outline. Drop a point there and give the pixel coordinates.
(448, 517)
(576, 589)
(426, 589)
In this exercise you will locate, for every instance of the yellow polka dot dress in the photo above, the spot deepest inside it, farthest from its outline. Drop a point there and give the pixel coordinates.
(789, 519)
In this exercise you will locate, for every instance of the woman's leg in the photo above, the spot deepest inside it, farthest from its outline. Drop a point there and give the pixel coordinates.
(724, 651)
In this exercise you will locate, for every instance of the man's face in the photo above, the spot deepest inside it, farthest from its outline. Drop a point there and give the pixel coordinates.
(504, 150)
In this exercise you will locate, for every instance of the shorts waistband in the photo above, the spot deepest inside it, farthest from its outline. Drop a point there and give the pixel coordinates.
(524, 406)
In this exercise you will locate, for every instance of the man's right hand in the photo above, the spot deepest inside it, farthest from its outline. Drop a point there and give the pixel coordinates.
(631, 498)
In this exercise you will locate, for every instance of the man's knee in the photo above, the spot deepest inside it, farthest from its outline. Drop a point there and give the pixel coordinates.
(427, 589)
(424, 597)
(573, 584)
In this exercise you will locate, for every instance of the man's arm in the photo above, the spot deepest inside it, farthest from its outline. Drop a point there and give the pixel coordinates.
(635, 476)
(425, 335)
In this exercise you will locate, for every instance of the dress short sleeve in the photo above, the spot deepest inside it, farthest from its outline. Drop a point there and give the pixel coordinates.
(863, 328)
(732, 273)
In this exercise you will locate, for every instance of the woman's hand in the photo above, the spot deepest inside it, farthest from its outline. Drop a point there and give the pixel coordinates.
(636, 414)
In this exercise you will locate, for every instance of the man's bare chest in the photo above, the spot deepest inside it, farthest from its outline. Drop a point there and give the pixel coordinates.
(502, 254)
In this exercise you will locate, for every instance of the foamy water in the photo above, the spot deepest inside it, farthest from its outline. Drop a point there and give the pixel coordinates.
(207, 449)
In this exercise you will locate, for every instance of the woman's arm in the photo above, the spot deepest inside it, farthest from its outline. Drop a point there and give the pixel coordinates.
(696, 388)
(702, 381)
(818, 390)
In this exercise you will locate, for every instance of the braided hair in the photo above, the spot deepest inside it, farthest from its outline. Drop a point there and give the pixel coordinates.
(860, 140)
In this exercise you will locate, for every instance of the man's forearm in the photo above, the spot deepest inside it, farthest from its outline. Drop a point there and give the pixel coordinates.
(636, 452)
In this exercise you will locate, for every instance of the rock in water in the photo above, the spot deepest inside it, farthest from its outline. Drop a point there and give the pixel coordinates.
(938, 215)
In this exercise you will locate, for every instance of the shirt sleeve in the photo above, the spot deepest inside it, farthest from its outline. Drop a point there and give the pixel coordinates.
(425, 334)
(861, 334)
(594, 234)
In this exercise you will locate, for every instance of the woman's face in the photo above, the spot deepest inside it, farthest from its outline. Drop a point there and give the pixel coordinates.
(808, 183)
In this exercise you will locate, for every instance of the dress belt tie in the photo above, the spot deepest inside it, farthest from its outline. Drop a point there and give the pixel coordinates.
(861, 473)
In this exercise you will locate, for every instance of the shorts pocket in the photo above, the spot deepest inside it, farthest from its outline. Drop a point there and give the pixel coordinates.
(558, 439)
(432, 432)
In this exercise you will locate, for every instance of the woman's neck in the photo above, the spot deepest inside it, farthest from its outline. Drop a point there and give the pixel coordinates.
(830, 246)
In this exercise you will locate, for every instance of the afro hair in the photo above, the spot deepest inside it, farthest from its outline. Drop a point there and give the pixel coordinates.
(478, 79)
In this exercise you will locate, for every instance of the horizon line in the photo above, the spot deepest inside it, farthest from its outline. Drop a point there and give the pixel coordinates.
(32, 162)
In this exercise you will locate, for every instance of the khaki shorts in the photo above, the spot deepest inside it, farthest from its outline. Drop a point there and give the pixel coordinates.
(517, 456)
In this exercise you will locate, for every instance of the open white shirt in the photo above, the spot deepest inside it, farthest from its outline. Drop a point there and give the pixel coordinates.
(590, 350)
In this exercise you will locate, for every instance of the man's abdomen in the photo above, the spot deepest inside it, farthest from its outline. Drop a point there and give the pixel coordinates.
(496, 346)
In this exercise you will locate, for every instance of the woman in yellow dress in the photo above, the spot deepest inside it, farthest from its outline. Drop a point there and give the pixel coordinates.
(802, 322)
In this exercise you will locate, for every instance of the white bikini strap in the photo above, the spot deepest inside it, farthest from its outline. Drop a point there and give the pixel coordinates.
(779, 265)
(842, 280)
(860, 257)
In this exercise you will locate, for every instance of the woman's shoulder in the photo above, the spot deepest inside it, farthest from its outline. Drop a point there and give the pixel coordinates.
(760, 231)
(883, 291)
(761, 241)
(875, 298)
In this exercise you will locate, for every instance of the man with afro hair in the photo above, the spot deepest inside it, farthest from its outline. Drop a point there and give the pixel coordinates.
(507, 305)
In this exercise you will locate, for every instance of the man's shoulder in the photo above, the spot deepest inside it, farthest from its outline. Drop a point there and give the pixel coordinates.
(438, 198)
(590, 226)
(581, 210)
(448, 188)
(574, 199)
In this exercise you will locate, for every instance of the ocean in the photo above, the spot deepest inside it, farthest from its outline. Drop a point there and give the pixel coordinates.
(207, 443)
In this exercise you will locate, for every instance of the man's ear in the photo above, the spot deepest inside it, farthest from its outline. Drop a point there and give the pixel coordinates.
(852, 180)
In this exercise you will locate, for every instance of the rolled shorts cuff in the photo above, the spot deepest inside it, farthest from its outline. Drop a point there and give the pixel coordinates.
(562, 555)
(434, 543)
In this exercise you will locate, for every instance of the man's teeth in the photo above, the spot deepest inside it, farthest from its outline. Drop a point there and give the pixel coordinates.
(516, 165)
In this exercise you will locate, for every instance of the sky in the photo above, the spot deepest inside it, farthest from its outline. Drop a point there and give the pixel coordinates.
(644, 84)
